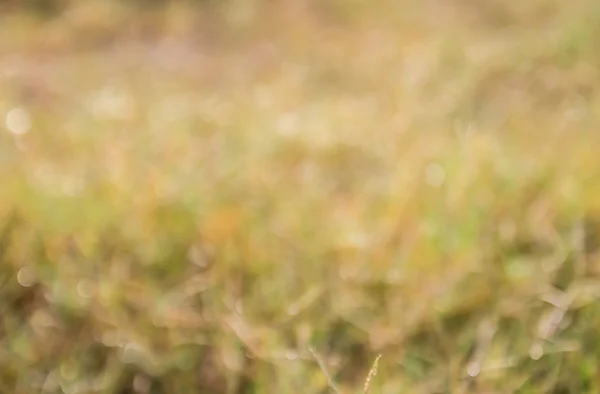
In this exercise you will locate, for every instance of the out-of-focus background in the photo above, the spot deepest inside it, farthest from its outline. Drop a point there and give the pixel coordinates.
(252, 196)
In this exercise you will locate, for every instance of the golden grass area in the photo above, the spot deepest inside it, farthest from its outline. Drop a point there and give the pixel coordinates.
(263, 197)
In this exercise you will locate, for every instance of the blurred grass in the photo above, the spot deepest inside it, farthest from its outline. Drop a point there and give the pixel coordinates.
(259, 197)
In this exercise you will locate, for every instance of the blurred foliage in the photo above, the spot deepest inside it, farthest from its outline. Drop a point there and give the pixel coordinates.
(262, 196)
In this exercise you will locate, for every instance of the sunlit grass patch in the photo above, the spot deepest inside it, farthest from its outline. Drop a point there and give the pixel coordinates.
(273, 202)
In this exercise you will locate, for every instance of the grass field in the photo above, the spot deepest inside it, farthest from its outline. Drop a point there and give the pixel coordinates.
(265, 197)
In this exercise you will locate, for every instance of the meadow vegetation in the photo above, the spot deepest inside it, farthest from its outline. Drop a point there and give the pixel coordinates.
(254, 196)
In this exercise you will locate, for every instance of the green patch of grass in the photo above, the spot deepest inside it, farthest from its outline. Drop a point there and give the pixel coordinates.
(257, 198)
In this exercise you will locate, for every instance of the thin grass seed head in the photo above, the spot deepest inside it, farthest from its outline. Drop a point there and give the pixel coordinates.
(372, 373)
